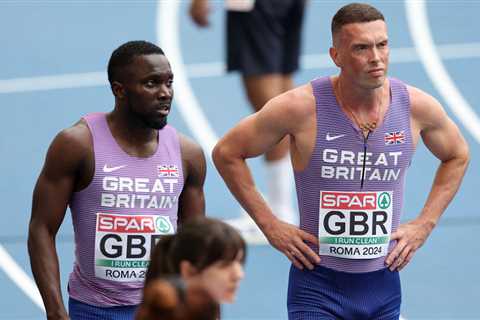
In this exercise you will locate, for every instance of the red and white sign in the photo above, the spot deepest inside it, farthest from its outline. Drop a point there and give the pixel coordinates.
(349, 200)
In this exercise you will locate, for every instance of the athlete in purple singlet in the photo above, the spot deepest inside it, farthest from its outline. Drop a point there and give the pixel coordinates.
(352, 139)
(128, 178)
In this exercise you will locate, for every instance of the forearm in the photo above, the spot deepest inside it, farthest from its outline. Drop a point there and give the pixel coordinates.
(239, 181)
(45, 268)
(445, 185)
(411, 236)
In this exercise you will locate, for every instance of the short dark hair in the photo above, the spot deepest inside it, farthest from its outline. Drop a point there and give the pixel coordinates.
(173, 299)
(200, 241)
(123, 56)
(354, 13)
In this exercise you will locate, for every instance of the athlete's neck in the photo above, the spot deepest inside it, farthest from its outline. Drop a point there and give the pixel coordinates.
(129, 127)
(361, 100)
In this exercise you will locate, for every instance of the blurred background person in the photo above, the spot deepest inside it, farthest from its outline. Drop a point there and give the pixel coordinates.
(263, 40)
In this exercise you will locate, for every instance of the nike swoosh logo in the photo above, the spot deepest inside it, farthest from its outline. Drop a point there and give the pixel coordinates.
(331, 138)
(108, 169)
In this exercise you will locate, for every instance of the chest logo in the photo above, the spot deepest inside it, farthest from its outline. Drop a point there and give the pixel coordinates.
(396, 137)
(168, 170)
(108, 169)
(329, 137)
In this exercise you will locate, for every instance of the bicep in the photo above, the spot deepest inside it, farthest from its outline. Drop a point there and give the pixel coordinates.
(439, 133)
(50, 198)
(257, 133)
(55, 185)
(191, 203)
(192, 199)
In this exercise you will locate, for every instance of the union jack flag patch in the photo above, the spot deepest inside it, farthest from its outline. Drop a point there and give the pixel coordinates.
(167, 170)
(396, 137)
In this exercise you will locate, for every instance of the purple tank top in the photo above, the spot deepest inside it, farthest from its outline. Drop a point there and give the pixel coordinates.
(354, 217)
(117, 219)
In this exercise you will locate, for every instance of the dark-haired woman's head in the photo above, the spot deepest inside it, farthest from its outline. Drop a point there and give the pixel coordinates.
(173, 299)
(204, 249)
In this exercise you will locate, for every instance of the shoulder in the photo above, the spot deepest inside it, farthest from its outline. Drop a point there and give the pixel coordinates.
(76, 137)
(193, 156)
(70, 149)
(294, 105)
(190, 149)
(418, 97)
(299, 99)
(426, 111)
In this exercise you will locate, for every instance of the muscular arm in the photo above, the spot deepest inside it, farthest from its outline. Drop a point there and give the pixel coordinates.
(192, 199)
(253, 136)
(50, 198)
(443, 138)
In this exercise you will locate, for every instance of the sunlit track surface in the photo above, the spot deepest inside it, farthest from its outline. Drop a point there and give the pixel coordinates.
(217, 69)
(53, 73)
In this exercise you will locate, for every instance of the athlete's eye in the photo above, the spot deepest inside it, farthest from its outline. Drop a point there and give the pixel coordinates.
(382, 45)
(150, 83)
(360, 47)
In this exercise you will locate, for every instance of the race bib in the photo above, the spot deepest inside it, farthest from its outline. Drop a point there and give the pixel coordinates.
(355, 225)
(123, 244)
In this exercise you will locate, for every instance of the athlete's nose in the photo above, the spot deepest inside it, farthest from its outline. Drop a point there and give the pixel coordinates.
(165, 92)
(375, 55)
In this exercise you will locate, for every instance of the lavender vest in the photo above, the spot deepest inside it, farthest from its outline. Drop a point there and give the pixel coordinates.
(353, 218)
(117, 219)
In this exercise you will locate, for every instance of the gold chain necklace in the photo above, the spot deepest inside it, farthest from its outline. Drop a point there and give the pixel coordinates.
(365, 127)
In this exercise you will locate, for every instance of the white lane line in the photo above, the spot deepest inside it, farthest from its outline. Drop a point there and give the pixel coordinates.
(421, 35)
(217, 69)
(167, 35)
(61, 81)
(206, 69)
(20, 278)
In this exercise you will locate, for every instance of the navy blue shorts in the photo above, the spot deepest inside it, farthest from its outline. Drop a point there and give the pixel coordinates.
(324, 293)
(265, 40)
(81, 311)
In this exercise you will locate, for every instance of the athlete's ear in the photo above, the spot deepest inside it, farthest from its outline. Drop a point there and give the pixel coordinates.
(187, 270)
(335, 56)
(118, 89)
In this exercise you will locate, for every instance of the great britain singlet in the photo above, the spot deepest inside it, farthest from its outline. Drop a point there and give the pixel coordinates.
(351, 193)
(130, 203)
